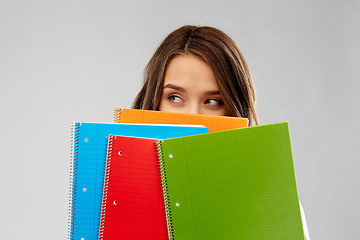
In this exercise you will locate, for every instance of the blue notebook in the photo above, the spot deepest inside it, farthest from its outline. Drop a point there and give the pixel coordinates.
(89, 150)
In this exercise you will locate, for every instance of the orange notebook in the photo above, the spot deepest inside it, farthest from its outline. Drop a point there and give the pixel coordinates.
(214, 123)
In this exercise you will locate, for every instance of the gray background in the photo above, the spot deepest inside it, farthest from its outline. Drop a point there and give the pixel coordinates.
(64, 61)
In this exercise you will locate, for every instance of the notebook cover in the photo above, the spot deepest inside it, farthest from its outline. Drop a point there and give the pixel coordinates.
(236, 184)
(88, 167)
(214, 123)
(133, 206)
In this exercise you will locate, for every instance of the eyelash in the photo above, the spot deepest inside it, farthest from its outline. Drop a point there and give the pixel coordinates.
(171, 98)
(219, 102)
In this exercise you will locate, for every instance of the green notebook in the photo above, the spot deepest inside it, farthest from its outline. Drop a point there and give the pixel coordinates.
(234, 184)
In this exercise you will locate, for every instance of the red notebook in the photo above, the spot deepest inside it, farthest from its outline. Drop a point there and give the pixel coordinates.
(132, 205)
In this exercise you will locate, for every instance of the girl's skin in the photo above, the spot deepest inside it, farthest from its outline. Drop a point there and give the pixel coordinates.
(190, 87)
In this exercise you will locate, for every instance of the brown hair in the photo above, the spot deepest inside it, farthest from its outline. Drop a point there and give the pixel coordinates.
(225, 58)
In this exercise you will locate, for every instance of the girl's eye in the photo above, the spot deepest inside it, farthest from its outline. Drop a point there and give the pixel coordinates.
(175, 99)
(213, 102)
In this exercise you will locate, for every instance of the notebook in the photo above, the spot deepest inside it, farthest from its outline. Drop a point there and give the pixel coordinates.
(89, 150)
(133, 206)
(235, 184)
(214, 123)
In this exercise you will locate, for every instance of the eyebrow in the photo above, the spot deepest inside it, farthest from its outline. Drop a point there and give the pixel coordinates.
(175, 87)
(178, 88)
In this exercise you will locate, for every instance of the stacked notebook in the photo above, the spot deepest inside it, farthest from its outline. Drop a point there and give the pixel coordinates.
(158, 175)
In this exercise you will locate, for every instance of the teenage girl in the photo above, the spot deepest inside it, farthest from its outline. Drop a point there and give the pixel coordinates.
(200, 70)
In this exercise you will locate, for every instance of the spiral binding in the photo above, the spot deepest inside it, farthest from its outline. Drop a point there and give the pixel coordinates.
(73, 177)
(106, 186)
(165, 189)
(117, 115)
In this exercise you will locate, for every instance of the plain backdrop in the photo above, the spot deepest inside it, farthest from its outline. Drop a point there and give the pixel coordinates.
(65, 61)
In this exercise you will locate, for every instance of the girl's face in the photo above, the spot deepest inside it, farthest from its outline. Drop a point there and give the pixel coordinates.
(190, 87)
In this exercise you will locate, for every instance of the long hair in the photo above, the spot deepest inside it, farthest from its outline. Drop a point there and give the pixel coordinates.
(220, 52)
